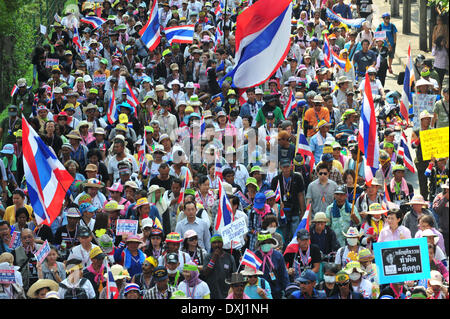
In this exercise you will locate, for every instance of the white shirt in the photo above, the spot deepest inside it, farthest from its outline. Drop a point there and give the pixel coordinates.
(182, 259)
(78, 252)
(113, 169)
(364, 288)
(198, 291)
(86, 286)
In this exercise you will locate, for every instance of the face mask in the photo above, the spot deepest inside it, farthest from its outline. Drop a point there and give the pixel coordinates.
(355, 276)
(12, 113)
(232, 101)
(271, 229)
(329, 279)
(266, 248)
(172, 271)
(375, 219)
(352, 241)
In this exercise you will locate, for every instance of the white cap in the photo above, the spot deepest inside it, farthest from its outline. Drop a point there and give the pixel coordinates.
(87, 78)
(258, 91)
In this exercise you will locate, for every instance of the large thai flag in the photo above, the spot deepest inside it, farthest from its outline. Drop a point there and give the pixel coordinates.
(290, 105)
(262, 42)
(250, 259)
(112, 109)
(406, 99)
(403, 151)
(94, 21)
(150, 33)
(368, 135)
(292, 247)
(131, 98)
(346, 65)
(224, 210)
(327, 57)
(47, 179)
(180, 34)
(76, 39)
(304, 149)
(353, 23)
(112, 292)
(14, 90)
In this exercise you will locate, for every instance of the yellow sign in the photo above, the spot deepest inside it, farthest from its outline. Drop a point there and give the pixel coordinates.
(434, 143)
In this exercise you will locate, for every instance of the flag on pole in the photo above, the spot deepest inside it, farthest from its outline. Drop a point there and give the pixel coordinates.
(403, 151)
(76, 39)
(14, 90)
(224, 210)
(218, 37)
(94, 21)
(218, 166)
(278, 192)
(406, 99)
(368, 134)
(131, 98)
(250, 259)
(112, 109)
(112, 292)
(304, 149)
(290, 105)
(47, 179)
(180, 34)
(292, 247)
(150, 33)
(57, 18)
(186, 184)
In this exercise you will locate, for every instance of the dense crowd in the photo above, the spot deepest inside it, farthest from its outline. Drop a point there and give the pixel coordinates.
(133, 164)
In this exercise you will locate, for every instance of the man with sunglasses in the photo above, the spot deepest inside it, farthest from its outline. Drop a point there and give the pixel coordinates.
(307, 281)
(321, 191)
(237, 284)
(314, 115)
(345, 292)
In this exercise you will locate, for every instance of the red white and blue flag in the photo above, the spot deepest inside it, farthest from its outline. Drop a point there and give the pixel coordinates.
(224, 210)
(406, 99)
(290, 105)
(180, 34)
(112, 109)
(327, 57)
(47, 179)
(250, 259)
(292, 247)
(112, 292)
(368, 135)
(262, 42)
(76, 39)
(304, 149)
(14, 90)
(187, 182)
(94, 21)
(143, 167)
(218, 36)
(403, 151)
(278, 192)
(131, 98)
(151, 33)
(218, 167)
(219, 10)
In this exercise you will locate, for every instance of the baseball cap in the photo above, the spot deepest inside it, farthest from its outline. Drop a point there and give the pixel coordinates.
(307, 275)
(303, 234)
(341, 190)
(260, 200)
(172, 258)
(160, 272)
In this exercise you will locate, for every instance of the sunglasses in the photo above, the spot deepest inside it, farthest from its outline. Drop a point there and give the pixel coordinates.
(192, 239)
(342, 284)
(322, 173)
(238, 285)
(305, 282)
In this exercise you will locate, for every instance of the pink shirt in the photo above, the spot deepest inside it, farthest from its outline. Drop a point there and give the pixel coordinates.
(230, 296)
(400, 233)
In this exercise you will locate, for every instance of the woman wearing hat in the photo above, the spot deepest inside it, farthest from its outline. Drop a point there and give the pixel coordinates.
(190, 246)
(40, 288)
(419, 208)
(128, 254)
(365, 258)
(256, 287)
(349, 252)
(192, 286)
(373, 224)
(357, 282)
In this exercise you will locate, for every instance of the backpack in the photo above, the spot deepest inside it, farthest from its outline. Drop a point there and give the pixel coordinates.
(75, 293)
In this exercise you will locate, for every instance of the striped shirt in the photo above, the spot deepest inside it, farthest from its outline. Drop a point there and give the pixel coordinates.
(153, 293)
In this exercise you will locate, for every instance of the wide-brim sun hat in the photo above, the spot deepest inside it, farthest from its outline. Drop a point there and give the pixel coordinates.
(42, 283)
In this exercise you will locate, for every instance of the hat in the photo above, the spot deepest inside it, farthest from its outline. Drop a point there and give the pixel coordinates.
(376, 209)
(52, 295)
(352, 266)
(417, 199)
(131, 184)
(425, 114)
(172, 258)
(154, 188)
(42, 283)
(303, 234)
(365, 254)
(8, 149)
(398, 167)
(132, 287)
(18, 133)
(73, 212)
(320, 217)
(436, 278)
(96, 252)
(307, 275)
(147, 222)
(75, 134)
(323, 123)
(341, 189)
(93, 182)
(194, 101)
(429, 233)
(445, 186)
(112, 205)
(352, 232)
(342, 277)
(216, 237)
(91, 168)
(160, 273)
(173, 237)
(159, 148)
(21, 82)
(236, 278)
(248, 271)
(83, 231)
(386, 14)
(318, 99)
(264, 235)
(106, 243)
(134, 239)
(285, 162)
(371, 70)
(141, 202)
(252, 181)
(118, 272)
(324, 85)
(422, 82)
(229, 189)
(260, 201)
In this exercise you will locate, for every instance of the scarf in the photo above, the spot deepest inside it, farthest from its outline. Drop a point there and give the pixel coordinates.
(98, 276)
(404, 186)
(129, 258)
(193, 280)
(264, 211)
(267, 257)
(398, 295)
(337, 212)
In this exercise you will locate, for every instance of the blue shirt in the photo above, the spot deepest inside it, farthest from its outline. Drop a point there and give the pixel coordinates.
(390, 31)
(344, 10)
(263, 284)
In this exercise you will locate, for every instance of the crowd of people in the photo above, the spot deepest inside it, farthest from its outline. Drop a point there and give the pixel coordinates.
(133, 165)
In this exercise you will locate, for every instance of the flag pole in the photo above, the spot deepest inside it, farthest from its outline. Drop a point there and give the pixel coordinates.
(356, 180)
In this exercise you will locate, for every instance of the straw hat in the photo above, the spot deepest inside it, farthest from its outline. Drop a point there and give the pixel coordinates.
(154, 188)
(352, 232)
(320, 217)
(236, 278)
(417, 199)
(365, 255)
(75, 134)
(118, 272)
(429, 233)
(42, 283)
(376, 209)
(248, 271)
(93, 182)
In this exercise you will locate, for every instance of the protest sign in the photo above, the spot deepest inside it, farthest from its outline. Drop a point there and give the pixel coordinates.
(434, 143)
(422, 102)
(245, 202)
(402, 260)
(15, 240)
(126, 226)
(43, 29)
(42, 252)
(7, 275)
(234, 230)
(49, 63)
(99, 79)
(380, 35)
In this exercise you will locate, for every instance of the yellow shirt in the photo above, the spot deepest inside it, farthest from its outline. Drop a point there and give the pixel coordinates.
(10, 213)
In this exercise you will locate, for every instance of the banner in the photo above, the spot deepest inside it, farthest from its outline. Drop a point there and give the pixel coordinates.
(245, 202)
(15, 240)
(434, 143)
(402, 260)
(51, 62)
(126, 226)
(422, 102)
(380, 35)
(7, 275)
(42, 252)
(234, 230)
(99, 79)
(353, 23)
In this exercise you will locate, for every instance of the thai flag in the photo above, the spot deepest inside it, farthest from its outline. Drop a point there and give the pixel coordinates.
(368, 135)
(187, 182)
(218, 167)
(290, 105)
(386, 197)
(224, 210)
(94, 21)
(406, 99)
(131, 98)
(111, 287)
(219, 10)
(47, 179)
(403, 151)
(221, 67)
(250, 259)
(327, 57)
(180, 34)
(243, 98)
(304, 149)
(218, 36)
(343, 64)
(141, 151)
(76, 39)
(112, 109)
(278, 192)
(14, 90)
(150, 33)
(262, 42)
(292, 247)
(353, 23)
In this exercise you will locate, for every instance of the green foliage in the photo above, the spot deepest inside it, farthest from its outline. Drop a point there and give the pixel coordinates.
(442, 5)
